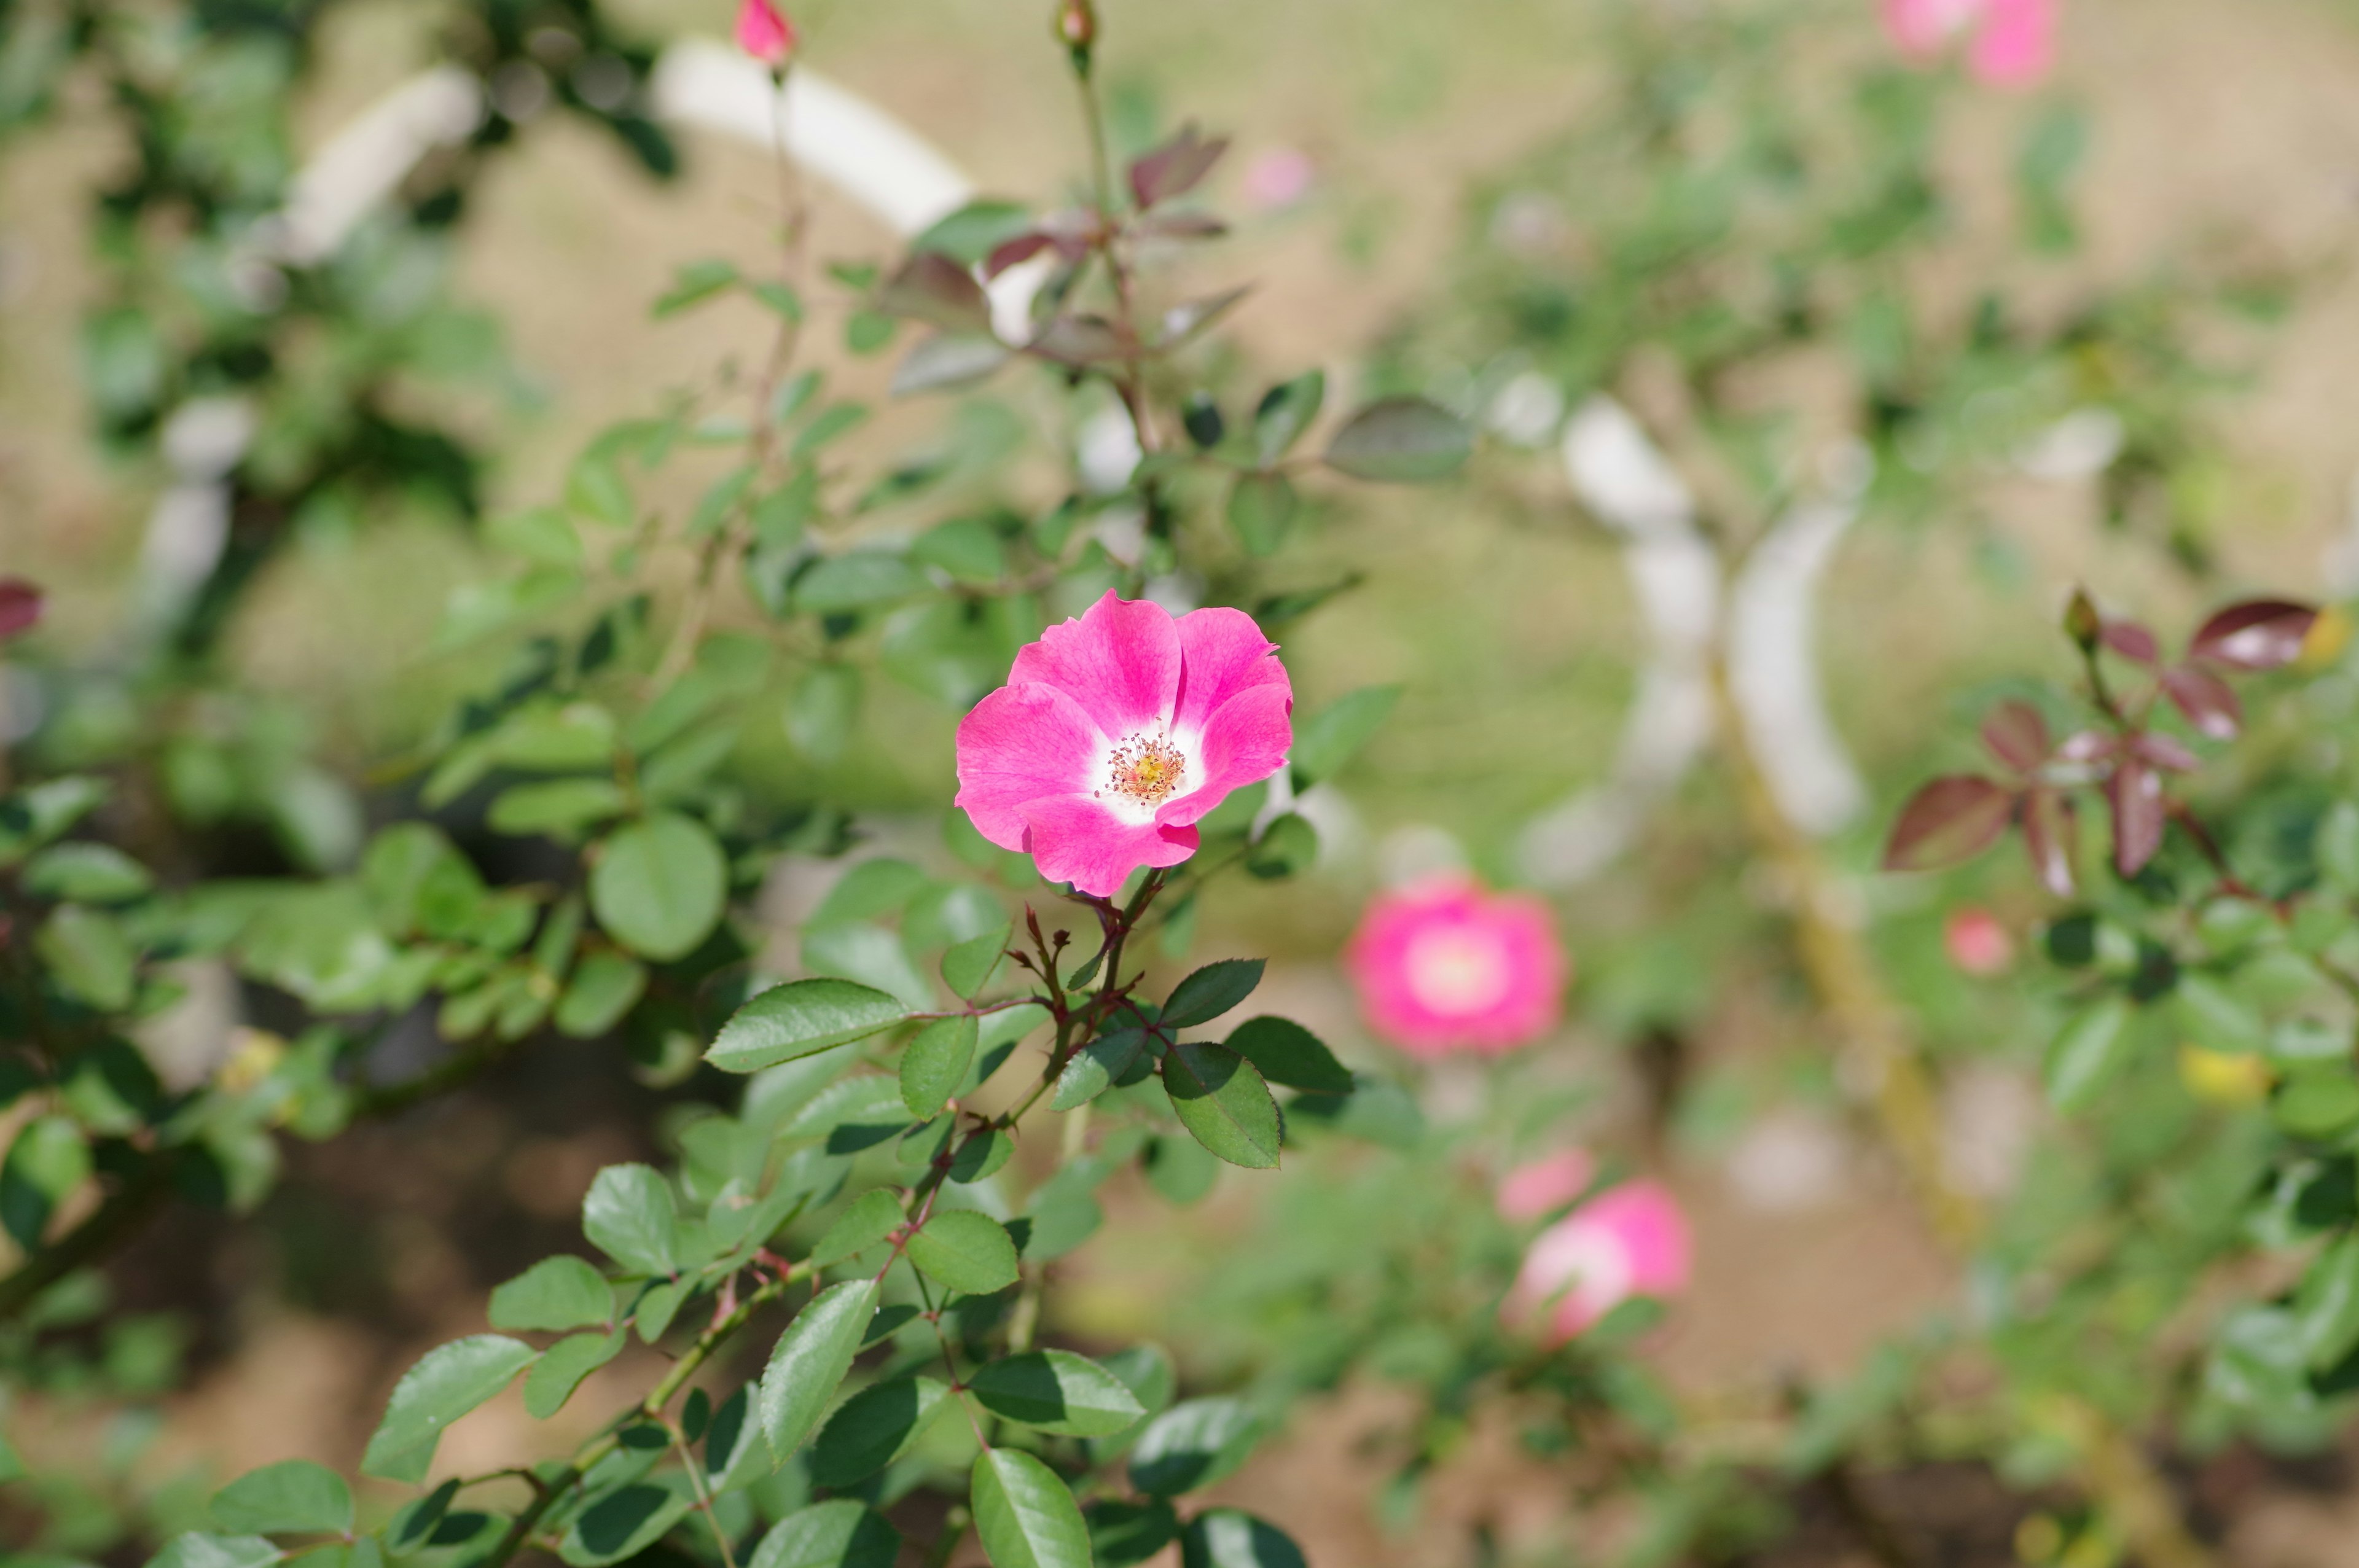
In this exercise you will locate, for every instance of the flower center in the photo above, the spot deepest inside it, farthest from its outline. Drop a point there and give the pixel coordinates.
(1456, 972)
(1146, 770)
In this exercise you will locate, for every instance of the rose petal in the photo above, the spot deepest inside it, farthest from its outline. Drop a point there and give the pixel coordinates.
(1120, 661)
(1074, 839)
(1017, 744)
(1222, 652)
(1245, 743)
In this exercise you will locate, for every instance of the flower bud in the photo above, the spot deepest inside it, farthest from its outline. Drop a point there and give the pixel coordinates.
(2082, 623)
(1077, 26)
(763, 32)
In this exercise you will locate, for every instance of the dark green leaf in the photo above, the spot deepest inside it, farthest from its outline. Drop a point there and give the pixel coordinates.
(1285, 412)
(875, 1427)
(1231, 1538)
(1290, 1054)
(1192, 1444)
(1097, 1066)
(1222, 1102)
(1287, 846)
(800, 1018)
(1212, 991)
(626, 1522)
(840, 1533)
(1057, 1391)
(1122, 1534)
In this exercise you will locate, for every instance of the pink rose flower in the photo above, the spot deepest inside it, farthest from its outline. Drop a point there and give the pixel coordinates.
(1540, 1187)
(763, 32)
(1277, 177)
(1630, 1241)
(1977, 944)
(1116, 733)
(1444, 966)
(2011, 43)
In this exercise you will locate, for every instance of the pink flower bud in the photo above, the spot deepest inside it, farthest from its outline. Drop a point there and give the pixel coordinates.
(2008, 43)
(1541, 1187)
(1447, 966)
(1977, 944)
(763, 32)
(1630, 1241)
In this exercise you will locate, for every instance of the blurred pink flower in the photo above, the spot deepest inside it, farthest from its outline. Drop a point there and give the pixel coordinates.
(1540, 1187)
(1444, 966)
(763, 32)
(1116, 733)
(1977, 942)
(1277, 177)
(2011, 43)
(1631, 1240)
(20, 607)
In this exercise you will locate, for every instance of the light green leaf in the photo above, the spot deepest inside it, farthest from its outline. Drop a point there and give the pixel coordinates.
(293, 1497)
(694, 283)
(1401, 441)
(562, 806)
(1332, 736)
(628, 1214)
(1192, 1444)
(2087, 1052)
(660, 885)
(873, 1214)
(448, 1381)
(554, 1294)
(1261, 511)
(89, 956)
(197, 1550)
(935, 1062)
(810, 1361)
(562, 1366)
(839, 1533)
(800, 1018)
(1057, 1391)
(627, 1521)
(87, 873)
(1025, 1514)
(1222, 1102)
(2326, 1308)
(604, 987)
(968, 967)
(2338, 849)
(971, 1253)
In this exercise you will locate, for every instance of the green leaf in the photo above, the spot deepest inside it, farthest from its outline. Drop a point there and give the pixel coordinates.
(839, 1533)
(47, 1160)
(1212, 991)
(541, 533)
(2216, 1017)
(1180, 1169)
(628, 1214)
(869, 890)
(1057, 1391)
(560, 806)
(626, 1522)
(967, 1251)
(1025, 1513)
(2338, 849)
(2087, 1052)
(604, 987)
(799, 1019)
(968, 967)
(89, 956)
(554, 1294)
(875, 1427)
(2326, 1308)
(873, 1216)
(969, 235)
(198, 1550)
(821, 713)
(856, 580)
(1285, 411)
(870, 955)
(1231, 1538)
(293, 1497)
(935, 1062)
(1288, 1053)
(1122, 1534)
(595, 488)
(87, 873)
(448, 1381)
(694, 283)
(1261, 511)
(1098, 1067)
(562, 1366)
(1192, 1444)
(2319, 1103)
(1286, 846)
(1400, 440)
(1332, 736)
(660, 885)
(1224, 1104)
(810, 1361)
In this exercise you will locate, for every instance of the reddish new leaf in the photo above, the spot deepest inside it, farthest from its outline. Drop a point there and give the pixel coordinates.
(2048, 839)
(1008, 253)
(2016, 735)
(932, 287)
(2261, 635)
(1174, 168)
(2165, 752)
(2131, 641)
(2209, 702)
(2084, 746)
(20, 607)
(1951, 819)
(2134, 794)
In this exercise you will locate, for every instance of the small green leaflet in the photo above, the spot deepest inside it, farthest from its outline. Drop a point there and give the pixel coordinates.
(1223, 1103)
(810, 1360)
(295, 1498)
(935, 1062)
(873, 1216)
(840, 1533)
(554, 1294)
(660, 885)
(1025, 1513)
(799, 1019)
(629, 1216)
(562, 1366)
(448, 1381)
(969, 1252)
